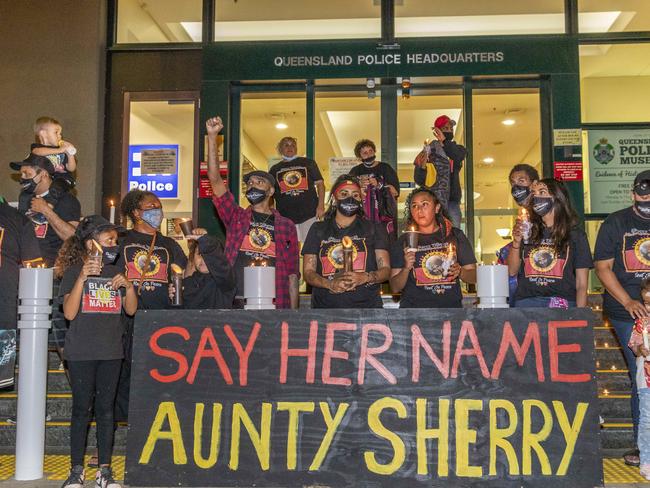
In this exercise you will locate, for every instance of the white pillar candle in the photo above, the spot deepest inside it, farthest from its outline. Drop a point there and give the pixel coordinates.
(492, 286)
(34, 310)
(259, 287)
(111, 217)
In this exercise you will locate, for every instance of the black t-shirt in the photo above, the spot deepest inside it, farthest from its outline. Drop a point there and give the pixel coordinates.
(545, 272)
(295, 193)
(18, 245)
(96, 332)
(68, 209)
(625, 237)
(384, 173)
(134, 247)
(427, 285)
(324, 241)
(259, 243)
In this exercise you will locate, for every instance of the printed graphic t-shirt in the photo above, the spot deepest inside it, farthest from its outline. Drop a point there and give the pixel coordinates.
(324, 241)
(96, 332)
(624, 237)
(18, 245)
(549, 272)
(428, 285)
(258, 244)
(295, 194)
(133, 255)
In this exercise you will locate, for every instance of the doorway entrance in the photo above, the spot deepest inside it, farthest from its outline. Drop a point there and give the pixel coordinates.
(502, 122)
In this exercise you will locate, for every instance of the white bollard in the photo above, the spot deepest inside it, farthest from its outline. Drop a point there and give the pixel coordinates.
(259, 287)
(34, 322)
(492, 286)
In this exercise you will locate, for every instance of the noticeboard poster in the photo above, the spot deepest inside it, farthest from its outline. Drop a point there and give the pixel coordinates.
(163, 185)
(615, 158)
(341, 166)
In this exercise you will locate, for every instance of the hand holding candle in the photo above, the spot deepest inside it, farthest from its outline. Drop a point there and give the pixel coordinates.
(450, 259)
(348, 249)
(177, 281)
(95, 253)
(526, 225)
(187, 226)
(412, 237)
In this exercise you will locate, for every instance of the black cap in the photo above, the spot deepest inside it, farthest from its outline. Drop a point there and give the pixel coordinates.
(642, 183)
(94, 224)
(36, 161)
(260, 174)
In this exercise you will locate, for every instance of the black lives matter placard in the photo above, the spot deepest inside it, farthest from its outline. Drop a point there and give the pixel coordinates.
(498, 398)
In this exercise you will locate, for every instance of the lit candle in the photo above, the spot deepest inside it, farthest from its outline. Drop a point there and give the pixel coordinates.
(96, 252)
(177, 281)
(346, 244)
(492, 286)
(111, 217)
(526, 225)
(412, 237)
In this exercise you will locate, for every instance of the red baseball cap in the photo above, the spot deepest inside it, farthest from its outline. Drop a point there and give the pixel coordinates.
(443, 120)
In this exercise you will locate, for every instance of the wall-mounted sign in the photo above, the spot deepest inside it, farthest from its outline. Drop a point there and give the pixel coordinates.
(615, 158)
(341, 166)
(159, 162)
(163, 185)
(567, 137)
(567, 170)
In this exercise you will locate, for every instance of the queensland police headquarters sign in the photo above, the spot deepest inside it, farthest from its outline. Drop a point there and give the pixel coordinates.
(615, 158)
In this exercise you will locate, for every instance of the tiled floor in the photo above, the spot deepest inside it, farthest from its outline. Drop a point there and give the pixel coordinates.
(617, 474)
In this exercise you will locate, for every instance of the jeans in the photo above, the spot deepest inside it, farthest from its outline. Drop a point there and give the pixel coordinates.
(537, 302)
(93, 383)
(623, 329)
(453, 209)
(643, 439)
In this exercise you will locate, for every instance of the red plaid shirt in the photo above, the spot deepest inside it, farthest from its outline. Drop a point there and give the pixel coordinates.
(238, 220)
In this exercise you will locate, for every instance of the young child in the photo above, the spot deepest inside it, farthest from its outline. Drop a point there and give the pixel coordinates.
(96, 299)
(209, 281)
(640, 347)
(47, 134)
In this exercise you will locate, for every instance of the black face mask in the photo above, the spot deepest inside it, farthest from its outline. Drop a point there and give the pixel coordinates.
(110, 255)
(448, 136)
(348, 206)
(542, 205)
(643, 208)
(369, 161)
(520, 193)
(28, 185)
(255, 195)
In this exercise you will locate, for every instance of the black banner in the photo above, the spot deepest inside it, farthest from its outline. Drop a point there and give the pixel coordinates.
(500, 398)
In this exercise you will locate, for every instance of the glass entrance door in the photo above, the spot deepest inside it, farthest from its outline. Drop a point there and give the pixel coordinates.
(506, 130)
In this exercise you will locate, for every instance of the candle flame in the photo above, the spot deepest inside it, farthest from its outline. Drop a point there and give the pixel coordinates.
(261, 262)
(28, 265)
(176, 269)
(427, 141)
(451, 250)
(112, 204)
(346, 242)
(411, 228)
(98, 247)
(523, 213)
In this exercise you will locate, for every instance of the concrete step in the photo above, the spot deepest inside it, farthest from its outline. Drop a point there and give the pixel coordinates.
(613, 380)
(615, 405)
(606, 357)
(614, 437)
(59, 405)
(605, 336)
(57, 435)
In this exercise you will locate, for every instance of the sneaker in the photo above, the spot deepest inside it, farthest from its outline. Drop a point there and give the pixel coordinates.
(104, 478)
(631, 458)
(645, 471)
(76, 478)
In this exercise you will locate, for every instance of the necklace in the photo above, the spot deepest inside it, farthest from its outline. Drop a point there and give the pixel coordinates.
(257, 220)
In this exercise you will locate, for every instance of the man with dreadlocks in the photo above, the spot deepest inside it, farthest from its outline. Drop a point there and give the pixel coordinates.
(429, 274)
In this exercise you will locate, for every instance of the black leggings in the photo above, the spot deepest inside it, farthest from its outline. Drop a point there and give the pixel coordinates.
(93, 383)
